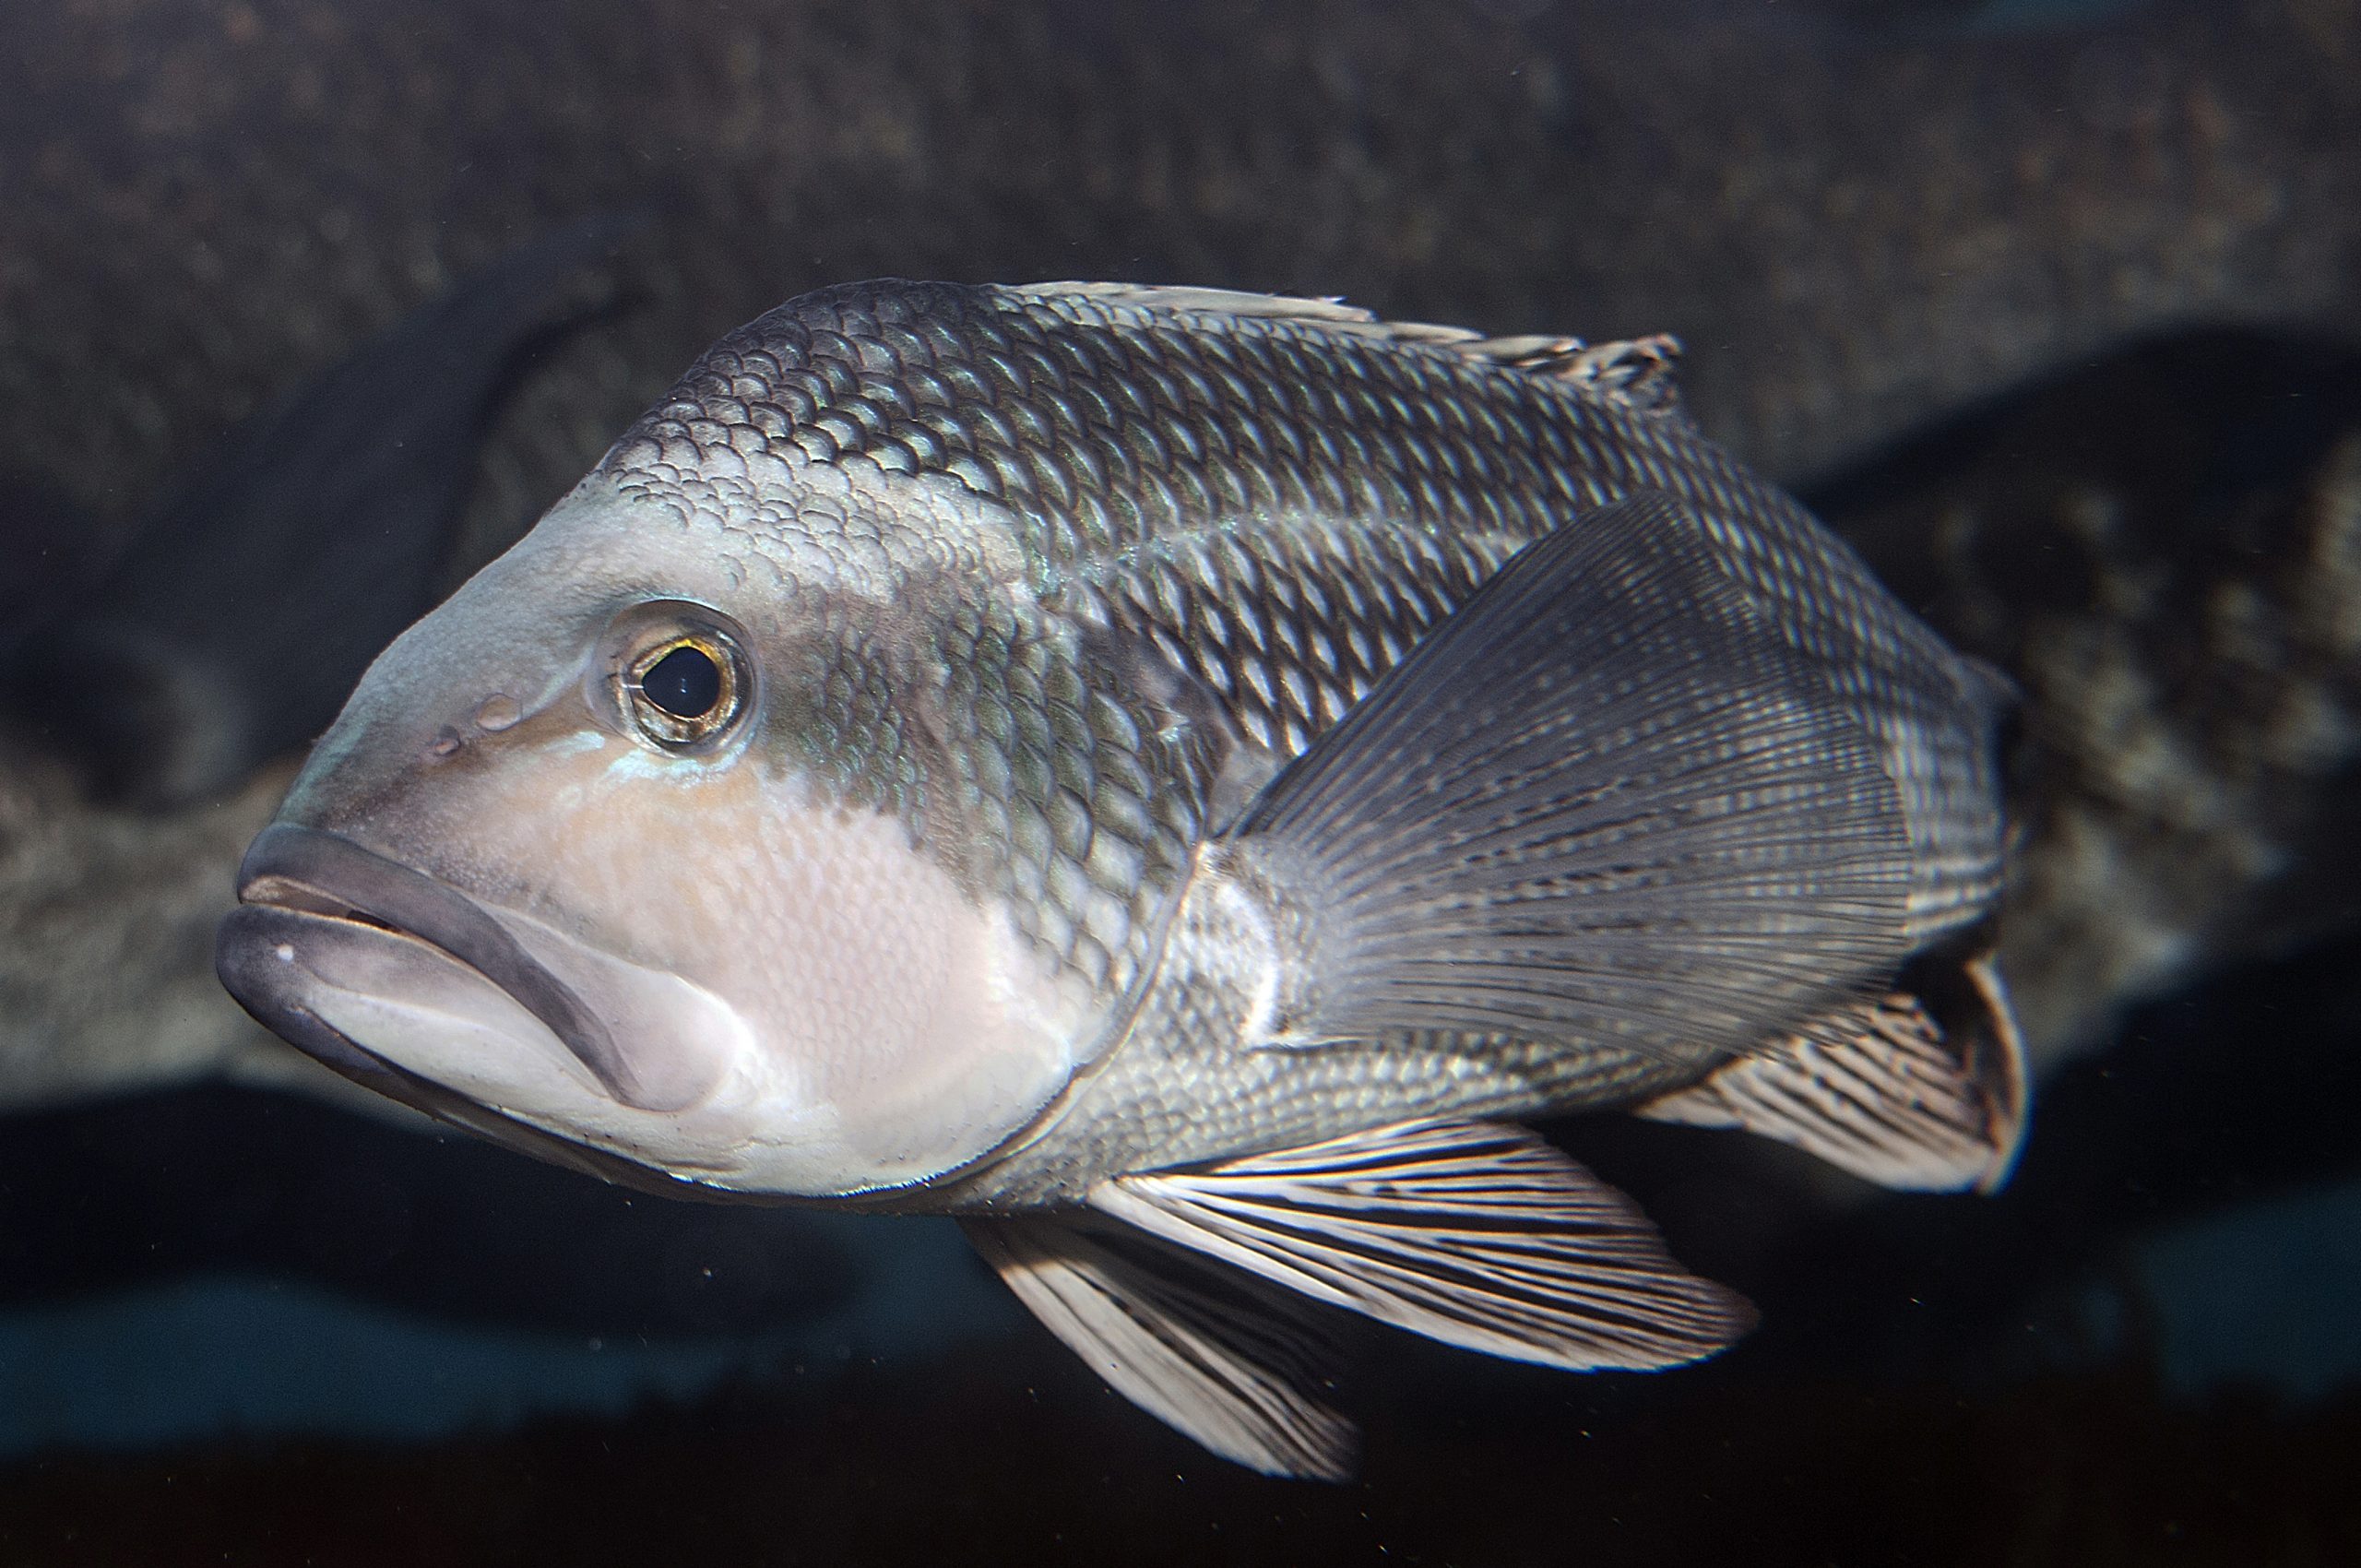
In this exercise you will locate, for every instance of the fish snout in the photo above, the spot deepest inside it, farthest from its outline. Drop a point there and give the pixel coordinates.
(307, 888)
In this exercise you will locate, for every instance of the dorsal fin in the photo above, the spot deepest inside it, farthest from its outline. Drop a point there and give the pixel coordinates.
(1637, 372)
(1641, 371)
(1181, 299)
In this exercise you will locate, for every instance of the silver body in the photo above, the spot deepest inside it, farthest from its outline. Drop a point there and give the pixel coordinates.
(1266, 503)
(1198, 759)
(1048, 583)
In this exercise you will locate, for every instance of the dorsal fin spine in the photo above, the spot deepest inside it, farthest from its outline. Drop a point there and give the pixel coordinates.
(1637, 372)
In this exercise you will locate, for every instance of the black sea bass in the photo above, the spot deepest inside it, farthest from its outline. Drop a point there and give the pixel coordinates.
(1169, 775)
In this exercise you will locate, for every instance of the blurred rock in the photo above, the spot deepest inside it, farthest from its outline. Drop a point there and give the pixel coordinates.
(239, 619)
(106, 940)
(2163, 548)
(1855, 228)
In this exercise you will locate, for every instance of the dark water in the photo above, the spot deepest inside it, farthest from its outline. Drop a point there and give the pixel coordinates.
(2050, 306)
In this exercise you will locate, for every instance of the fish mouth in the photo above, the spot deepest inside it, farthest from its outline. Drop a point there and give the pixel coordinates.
(321, 913)
(249, 941)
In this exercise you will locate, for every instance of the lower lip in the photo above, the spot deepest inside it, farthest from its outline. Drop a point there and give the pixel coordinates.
(250, 944)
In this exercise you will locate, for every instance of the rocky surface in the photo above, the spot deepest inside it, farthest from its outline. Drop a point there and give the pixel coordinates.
(1854, 227)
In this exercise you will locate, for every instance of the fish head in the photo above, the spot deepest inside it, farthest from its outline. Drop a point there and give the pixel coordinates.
(643, 843)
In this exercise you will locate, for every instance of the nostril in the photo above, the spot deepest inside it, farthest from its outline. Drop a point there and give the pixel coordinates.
(446, 742)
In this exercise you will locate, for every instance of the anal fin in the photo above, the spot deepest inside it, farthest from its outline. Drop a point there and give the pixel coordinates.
(1221, 1359)
(1476, 1234)
(1922, 1088)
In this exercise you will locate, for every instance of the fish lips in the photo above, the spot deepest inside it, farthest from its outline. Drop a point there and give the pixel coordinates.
(249, 947)
(318, 910)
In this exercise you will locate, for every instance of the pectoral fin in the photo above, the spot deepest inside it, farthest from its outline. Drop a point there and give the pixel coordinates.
(1922, 1090)
(1218, 1357)
(1474, 1233)
(1604, 802)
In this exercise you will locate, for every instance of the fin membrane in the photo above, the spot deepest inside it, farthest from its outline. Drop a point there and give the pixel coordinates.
(1233, 1367)
(1477, 1234)
(1922, 1090)
(1604, 802)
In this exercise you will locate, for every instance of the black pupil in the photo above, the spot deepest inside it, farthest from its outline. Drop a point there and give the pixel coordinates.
(685, 683)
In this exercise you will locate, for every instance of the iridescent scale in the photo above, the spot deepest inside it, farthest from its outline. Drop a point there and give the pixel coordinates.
(1272, 501)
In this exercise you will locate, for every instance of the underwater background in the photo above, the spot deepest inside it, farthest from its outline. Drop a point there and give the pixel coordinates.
(2050, 307)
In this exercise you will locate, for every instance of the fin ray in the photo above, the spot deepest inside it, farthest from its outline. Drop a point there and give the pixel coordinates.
(1232, 1370)
(1910, 1094)
(1604, 801)
(1636, 372)
(1477, 1234)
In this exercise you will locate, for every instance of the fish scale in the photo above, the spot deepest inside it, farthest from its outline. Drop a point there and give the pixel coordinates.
(1397, 464)
(1227, 455)
(1290, 663)
(1046, 782)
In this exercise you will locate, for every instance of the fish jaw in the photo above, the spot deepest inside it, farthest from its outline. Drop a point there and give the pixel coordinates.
(374, 931)
(418, 1007)
(389, 975)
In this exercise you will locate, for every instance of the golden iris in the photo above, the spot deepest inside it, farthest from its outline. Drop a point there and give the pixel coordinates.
(683, 690)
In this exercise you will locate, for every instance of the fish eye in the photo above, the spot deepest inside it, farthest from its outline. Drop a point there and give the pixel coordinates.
(684, 688)
(685, 683)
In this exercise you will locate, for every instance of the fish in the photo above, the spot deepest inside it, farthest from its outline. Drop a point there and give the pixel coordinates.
(1176, 778)
(235, 623)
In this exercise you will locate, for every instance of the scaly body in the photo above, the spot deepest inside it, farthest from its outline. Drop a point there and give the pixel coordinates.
(1272, 507)
(980, 749)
